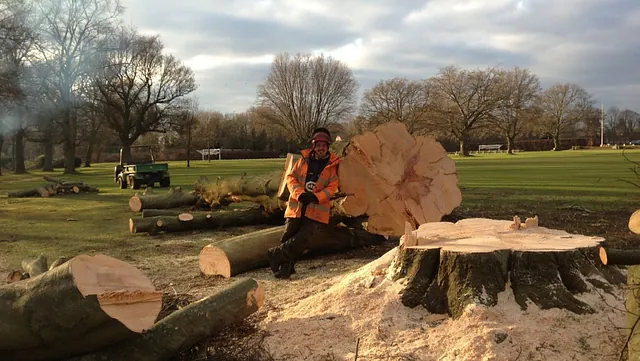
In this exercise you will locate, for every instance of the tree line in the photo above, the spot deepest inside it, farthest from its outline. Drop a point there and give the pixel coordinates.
(74, 78)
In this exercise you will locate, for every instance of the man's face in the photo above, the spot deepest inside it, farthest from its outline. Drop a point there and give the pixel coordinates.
(321, 149)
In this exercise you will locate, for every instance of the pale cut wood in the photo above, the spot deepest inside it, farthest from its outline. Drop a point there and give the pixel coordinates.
(283, 190)
(634, 222)
(185, 217)
(394, 177)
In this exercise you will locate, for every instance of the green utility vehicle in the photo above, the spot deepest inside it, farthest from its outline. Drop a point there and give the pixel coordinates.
(141, 170)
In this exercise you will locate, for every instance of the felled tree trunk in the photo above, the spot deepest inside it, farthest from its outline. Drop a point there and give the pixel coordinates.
(186, 222)
(84, 304)
(148, 213)
(189, 325)
(619, 257)
(174, 198)
(448, 266)
(233, 256)
(261, 189)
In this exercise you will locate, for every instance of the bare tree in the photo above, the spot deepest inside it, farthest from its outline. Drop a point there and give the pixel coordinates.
(140, 87)
(70, 32)
(628, 123)
(184, 124)
(464, 100)
(304, 92)
(515, 108)
(611, 121)
(398, 99)
(563, 105)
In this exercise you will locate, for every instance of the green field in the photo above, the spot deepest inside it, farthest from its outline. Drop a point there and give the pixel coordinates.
(580, 191)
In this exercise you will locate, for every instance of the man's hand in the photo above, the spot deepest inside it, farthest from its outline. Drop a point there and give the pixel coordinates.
(308, 197)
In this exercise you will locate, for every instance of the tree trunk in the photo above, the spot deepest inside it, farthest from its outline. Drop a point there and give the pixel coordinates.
(556, 142)
(448, 266)
(18, 141)
(189, 147)
(632, 305)
(49, 141)
(148, 213)
(126, 150)
(84, 304)
(626, 257)
(216, 220)
(232, 256)
(1, 144)
(69, 144)
(189, 325)
(174, 198)
(509, 144)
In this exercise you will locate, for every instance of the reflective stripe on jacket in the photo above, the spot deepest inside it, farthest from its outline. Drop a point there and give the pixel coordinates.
(325, 187)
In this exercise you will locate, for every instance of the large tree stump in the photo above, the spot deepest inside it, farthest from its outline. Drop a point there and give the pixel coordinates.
(174, 198)
(447, 266)
(232, 256)
(214, 220)
(189, 325)
(80, 306)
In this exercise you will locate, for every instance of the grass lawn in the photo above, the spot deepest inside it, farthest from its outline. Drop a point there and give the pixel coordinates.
(580, 191)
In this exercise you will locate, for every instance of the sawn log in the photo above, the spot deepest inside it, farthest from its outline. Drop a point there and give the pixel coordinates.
(173, 198)
(82, 305)
(187, 326)
(233, 256)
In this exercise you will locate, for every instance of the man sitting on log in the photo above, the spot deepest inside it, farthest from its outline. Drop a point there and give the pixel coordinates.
(312, 182)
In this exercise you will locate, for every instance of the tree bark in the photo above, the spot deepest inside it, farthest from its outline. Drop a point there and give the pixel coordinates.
(261, 189)
(47, 165)
(18, 141)
(509, 144)
(236, 255)
(449, 266)
(69, 139)
(174, 198)
(148, 213)
(35, 267)
(85, 304)
(215, 220)
(1, 144)
(189, 325)
(619, 257)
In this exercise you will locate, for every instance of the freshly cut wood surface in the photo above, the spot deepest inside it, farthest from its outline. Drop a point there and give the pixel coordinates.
(485, 235)
(283, 190)
(84, 304)
(394, 177)
(634, 222)
(447, 266)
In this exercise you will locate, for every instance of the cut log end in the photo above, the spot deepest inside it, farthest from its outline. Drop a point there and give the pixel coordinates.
(603, 255)
(634, 222)
(132, 225)
(123, 292)
(185, 217)
(214, 262)
(474, 260)
(135, 204)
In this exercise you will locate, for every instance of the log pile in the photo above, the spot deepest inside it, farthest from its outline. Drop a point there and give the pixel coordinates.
(55, 187)
(446, 266)
(101, 308)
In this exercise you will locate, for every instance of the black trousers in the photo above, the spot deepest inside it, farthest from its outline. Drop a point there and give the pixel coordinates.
(298, 233)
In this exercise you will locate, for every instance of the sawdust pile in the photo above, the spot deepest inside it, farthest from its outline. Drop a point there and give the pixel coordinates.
(365, 309)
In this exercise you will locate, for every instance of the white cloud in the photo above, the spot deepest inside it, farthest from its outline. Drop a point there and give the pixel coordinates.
(230, 44)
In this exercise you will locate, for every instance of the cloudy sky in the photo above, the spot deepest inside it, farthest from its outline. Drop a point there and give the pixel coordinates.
(229, 44)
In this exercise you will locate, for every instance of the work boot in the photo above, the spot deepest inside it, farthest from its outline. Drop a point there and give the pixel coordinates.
(276, 258)
(283, 273)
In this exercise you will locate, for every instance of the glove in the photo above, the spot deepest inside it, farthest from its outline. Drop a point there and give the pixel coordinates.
(308, 197)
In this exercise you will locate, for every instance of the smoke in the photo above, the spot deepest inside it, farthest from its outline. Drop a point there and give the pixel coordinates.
(9, 124)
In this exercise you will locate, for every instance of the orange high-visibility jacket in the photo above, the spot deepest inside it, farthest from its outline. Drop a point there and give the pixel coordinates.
(326, 186)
